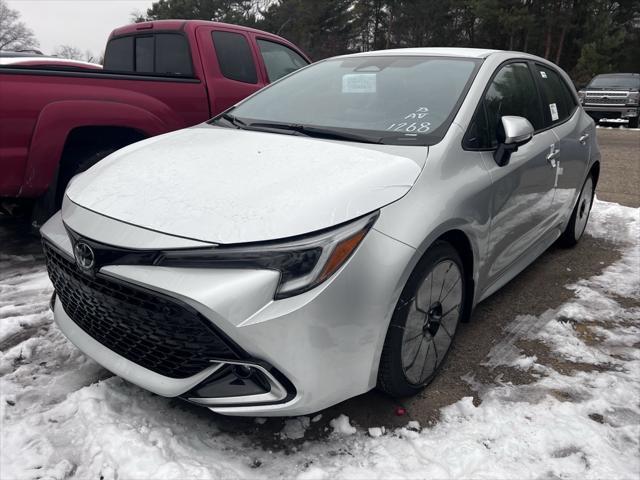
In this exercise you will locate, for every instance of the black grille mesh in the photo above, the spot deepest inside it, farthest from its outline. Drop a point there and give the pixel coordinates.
(152, 330)
(606, 101)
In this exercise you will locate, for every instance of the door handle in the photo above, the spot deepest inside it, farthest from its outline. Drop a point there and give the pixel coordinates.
(584, 138)
(552, 156)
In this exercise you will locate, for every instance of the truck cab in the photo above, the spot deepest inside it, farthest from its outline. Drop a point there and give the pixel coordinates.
(157, 77)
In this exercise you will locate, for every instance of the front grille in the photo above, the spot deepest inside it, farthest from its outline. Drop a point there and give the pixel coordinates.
(148, 328)
(606, 101)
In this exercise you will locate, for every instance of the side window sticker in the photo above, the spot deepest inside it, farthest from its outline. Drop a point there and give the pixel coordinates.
(553, 108)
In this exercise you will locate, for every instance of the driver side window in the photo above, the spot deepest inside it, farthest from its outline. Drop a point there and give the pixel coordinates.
(511, 92)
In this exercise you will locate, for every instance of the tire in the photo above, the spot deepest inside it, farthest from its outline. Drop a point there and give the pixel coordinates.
(633, 122)
(580, 215)
(423, 326)
(51, 201)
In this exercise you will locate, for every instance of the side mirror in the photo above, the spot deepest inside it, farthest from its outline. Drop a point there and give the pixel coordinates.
(516, 131)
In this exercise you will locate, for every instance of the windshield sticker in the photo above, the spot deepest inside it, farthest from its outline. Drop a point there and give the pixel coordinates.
(543, 74)
(419, 114)
(413, 123)
(410, 127)
(359, 83)
(554, 111)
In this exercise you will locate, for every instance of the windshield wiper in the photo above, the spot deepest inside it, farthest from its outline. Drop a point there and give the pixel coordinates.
(233, 120)
(318, 132)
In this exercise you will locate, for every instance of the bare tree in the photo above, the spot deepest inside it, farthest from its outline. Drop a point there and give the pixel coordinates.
(14, 34)
(69, 52)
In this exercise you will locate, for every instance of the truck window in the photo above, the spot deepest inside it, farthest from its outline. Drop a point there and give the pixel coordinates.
(279, 60)
(162, 53)
(144, 54)
(172, 55)
(234, 56)
(559, 103)
(119, 55)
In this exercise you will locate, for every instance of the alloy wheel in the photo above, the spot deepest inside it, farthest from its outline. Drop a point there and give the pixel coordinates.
(431, 322)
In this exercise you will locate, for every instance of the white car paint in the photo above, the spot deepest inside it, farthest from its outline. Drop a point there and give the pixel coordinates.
(283, 178)
(46, 61)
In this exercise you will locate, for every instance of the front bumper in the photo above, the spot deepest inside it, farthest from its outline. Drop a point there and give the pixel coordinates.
(615, 111)
(314, 349)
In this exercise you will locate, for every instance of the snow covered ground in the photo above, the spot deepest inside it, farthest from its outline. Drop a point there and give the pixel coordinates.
(578, 417)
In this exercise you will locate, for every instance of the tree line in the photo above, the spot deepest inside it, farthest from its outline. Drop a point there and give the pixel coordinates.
(585, 37)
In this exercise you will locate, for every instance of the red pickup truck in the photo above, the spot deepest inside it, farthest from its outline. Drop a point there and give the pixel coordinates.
(157, 77)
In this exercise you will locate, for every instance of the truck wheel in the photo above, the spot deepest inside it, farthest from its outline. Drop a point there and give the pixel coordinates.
(424, 322)
(51, 201)
(633, 122)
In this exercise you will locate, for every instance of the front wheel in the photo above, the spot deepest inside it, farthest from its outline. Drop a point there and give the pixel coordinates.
(633, 122)
(580, 215)
(424, 322)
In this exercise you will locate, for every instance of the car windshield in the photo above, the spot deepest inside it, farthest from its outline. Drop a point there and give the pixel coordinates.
(380, 99)
(615, 81)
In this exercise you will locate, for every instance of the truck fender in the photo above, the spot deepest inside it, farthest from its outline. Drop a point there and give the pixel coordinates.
(58, 119)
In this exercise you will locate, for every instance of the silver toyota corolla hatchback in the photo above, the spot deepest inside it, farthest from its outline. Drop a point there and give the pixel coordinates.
(326, 235)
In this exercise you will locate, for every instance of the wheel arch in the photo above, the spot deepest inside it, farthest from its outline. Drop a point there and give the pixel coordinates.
(467, 247)
(57, 123)
(462, 244)
(595, 171)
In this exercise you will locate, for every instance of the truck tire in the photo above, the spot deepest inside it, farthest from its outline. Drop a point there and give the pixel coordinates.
(633, 122)
(51, 201)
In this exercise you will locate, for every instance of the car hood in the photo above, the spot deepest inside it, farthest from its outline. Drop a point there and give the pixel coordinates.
(225, 186)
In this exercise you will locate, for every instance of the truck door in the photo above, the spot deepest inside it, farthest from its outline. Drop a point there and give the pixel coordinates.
(230, 66)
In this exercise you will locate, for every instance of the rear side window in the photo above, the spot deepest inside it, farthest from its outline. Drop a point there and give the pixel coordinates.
(119, 55)
(162, 53)
(511, 92)
(279, 60)
(172, 55)
(559, 103)
(234, 57)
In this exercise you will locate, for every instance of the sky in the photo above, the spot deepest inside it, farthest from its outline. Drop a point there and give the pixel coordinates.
(85, 24)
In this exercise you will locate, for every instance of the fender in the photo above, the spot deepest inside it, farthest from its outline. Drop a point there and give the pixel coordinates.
(58, 119)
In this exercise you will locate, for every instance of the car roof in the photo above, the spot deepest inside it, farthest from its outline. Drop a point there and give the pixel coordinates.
(43, 61)
(433, 51)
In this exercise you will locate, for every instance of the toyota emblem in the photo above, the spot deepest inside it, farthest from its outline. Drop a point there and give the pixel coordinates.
(85, 258)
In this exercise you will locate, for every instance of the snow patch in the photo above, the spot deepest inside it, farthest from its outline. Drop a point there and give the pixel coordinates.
(342, 426)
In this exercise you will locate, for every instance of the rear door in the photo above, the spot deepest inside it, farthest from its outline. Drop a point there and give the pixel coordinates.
(573, 131)
(230, 65)
(521, 207)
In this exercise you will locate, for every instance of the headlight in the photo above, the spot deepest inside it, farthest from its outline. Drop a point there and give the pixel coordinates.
(303, 262)
(634, 98)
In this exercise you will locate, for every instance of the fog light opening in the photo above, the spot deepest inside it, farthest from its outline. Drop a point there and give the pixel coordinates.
(242, 371)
